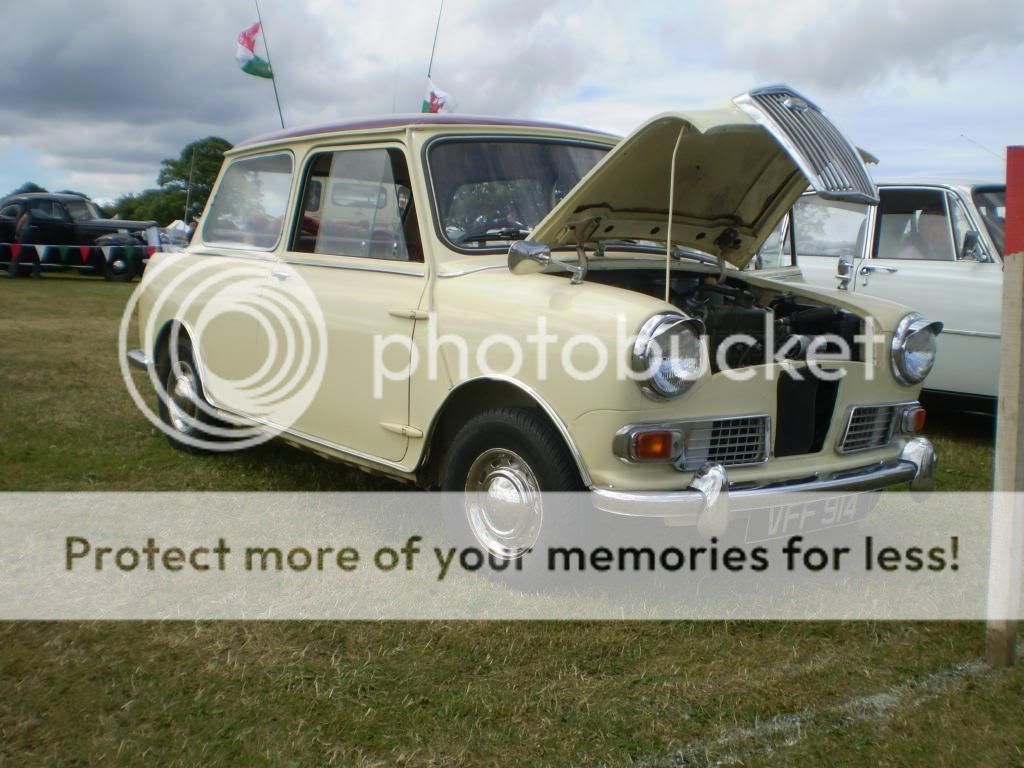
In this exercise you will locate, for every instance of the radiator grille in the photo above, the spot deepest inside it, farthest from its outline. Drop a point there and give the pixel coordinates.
(731, 441)
(833, 166)
(869, 426)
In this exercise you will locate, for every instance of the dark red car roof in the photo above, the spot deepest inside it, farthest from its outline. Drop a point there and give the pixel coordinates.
(398, 121)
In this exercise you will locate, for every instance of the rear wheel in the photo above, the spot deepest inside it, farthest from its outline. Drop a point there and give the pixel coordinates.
(499, 465)
(119, 268)
(183, 405)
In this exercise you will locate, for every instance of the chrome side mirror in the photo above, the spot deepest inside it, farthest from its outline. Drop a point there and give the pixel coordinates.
(526, 257)
(844, 271)
(972, 250)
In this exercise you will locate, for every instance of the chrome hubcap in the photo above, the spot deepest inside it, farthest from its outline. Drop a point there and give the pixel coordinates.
(503, 503)
(182, 404)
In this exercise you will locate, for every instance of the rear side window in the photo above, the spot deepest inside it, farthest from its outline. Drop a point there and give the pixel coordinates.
(10, 212)
(249, 207)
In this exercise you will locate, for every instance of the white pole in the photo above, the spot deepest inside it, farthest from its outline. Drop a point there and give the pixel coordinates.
(1005, 561)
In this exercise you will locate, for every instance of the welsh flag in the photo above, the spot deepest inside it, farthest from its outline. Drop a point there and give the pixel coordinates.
(436, 100)
(246, 53)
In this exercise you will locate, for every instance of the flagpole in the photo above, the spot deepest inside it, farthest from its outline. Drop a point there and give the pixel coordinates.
(188, 191)
(273, 77)
(433, 47)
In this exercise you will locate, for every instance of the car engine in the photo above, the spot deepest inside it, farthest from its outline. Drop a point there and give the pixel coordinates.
(779, 325)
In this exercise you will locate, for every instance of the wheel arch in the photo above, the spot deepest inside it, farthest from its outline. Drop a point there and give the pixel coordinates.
(161, 341)
(475, 396)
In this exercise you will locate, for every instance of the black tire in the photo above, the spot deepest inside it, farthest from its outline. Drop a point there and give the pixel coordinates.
(521, 444)
(192, 426)
(120, 268)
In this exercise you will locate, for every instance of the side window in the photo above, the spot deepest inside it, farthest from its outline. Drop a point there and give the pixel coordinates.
(249, 206)
(828, 228)
(47, 209)
(961, 224)
(358, 202)
(914, 224)
(10, 212)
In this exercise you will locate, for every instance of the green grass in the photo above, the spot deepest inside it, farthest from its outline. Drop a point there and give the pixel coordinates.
(437, 693)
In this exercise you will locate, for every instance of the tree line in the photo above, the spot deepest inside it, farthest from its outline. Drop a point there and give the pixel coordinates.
(199, 160)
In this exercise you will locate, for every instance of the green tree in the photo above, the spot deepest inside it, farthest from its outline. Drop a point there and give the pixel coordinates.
(200, 160)
(26, 188)
(160, 205)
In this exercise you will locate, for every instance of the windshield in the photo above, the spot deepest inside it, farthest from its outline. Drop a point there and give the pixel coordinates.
(82, 210)
(991, 204)
(490, 192)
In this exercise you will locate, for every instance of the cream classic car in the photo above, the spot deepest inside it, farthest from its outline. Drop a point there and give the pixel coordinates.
(935, 244)
(658, 374)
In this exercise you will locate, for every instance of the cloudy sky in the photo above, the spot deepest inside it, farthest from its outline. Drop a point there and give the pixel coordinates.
(95, 94)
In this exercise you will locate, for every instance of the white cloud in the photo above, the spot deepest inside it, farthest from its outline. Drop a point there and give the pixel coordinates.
(905, 79)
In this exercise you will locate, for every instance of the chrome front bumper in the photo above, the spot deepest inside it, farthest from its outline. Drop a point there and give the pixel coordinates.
(137, 359)
(709, 501)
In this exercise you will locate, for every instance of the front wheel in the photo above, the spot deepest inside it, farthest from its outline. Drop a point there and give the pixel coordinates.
(499, 464)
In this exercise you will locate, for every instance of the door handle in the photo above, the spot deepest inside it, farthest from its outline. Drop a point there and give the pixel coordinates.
(280, 274)
(867, 270)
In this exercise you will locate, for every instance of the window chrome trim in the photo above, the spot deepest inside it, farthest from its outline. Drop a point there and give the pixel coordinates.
(522, 138)
(375, 267)
(471, 271)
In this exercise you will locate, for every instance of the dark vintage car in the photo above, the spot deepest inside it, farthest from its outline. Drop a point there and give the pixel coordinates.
(52, 231)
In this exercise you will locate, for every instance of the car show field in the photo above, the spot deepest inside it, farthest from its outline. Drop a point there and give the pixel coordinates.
(437, 693)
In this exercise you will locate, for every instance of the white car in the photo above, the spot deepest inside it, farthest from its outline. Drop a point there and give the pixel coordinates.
(936, 246)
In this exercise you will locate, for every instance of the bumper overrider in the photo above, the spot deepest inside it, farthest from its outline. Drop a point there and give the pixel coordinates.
(709, 502)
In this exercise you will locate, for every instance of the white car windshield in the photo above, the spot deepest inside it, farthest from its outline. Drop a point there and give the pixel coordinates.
(490, 192)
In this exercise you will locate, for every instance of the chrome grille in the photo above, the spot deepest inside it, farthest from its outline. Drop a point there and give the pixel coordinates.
(832, 165)
(731, 441)
(869, 426)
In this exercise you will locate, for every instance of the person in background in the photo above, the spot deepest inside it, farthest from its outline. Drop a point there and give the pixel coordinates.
(932, 240)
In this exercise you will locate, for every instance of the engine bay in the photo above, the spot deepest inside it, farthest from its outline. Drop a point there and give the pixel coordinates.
(779, 325)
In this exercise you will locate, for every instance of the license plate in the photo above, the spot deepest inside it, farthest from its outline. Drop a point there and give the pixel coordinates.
(784, 520)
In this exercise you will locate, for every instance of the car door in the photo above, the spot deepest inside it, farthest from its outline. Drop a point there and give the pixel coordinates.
(918, 258)
(48, 224)
(825, 231)
(356, 245)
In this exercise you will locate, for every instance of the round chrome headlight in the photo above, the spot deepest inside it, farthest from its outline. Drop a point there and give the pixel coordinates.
(913, 348)
(668, 356)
